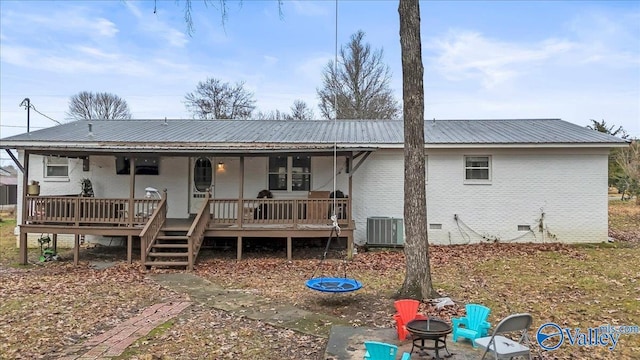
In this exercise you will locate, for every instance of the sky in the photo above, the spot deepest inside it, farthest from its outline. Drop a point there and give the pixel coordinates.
(574, 60)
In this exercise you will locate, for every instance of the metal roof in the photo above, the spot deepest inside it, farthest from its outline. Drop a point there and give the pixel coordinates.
(273, 134)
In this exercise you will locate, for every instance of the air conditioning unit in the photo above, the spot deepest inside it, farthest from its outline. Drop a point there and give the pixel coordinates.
(385, 231)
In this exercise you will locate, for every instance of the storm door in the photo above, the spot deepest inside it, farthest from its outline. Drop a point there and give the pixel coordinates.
(201, 181)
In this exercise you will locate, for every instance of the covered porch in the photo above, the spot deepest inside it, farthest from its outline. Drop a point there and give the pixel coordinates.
(197, 213)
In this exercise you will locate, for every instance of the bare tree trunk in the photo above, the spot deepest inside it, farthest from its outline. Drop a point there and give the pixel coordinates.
(417, 282)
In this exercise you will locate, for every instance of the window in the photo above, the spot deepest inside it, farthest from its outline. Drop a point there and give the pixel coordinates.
(57, 166)
(477, 167)
(144, 165)
(290, 173)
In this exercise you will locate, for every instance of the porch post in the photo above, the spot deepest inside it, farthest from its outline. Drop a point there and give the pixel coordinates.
(350, 209)
(55, 243)
(239, 249)
(24, 212)
(241, 193)
(132, 187)
(289, 246)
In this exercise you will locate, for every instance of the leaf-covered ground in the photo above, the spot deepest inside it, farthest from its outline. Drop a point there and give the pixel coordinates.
(44, 309)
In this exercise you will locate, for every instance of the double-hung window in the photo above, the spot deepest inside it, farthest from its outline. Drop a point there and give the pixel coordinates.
(56, 167)
(290, 173)
(477, 168)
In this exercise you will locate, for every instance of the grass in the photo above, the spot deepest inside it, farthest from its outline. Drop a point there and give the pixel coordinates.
(583, 286)
(8, 249)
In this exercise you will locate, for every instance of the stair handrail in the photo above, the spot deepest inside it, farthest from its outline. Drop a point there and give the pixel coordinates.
(197, 229)
(152, 228)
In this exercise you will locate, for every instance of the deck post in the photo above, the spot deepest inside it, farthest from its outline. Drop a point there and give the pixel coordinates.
(241, 194)
(55, 243)
(23, 248)
(76, 249)
(350, 245)
(190, 259)
(25, 209)
(143, 249)
(289, 247)
(239, 249)
(129, 248)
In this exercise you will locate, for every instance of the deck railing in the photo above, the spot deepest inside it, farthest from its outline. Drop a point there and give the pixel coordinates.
(276, 211)
(87, 210)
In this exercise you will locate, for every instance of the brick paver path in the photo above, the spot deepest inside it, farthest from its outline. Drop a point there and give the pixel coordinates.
(115, 341)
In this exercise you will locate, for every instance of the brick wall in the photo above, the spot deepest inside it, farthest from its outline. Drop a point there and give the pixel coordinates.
(568, 185)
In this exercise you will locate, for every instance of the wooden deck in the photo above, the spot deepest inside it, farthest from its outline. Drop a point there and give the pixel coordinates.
(146, 219)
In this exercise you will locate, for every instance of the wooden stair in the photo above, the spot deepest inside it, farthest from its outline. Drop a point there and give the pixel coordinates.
(170, 249)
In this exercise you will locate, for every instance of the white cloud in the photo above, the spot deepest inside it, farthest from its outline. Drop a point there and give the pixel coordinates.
(69, 20)
(96, 53)
(462, 55)
(105, 27)
(156, 27)
(270, 60)
(308, 8)
(311, 67)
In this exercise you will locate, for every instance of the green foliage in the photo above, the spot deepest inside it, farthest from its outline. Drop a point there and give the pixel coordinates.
(616, 173)
(603, 127)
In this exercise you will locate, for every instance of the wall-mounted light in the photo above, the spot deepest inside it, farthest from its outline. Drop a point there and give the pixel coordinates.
(220, 166)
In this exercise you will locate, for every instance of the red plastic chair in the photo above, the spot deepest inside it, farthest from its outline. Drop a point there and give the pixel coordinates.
(407, 311)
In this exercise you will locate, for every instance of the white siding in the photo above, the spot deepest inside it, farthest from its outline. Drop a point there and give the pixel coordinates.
(256, 177)
(378, 189)
(569, 186)
(174, 176)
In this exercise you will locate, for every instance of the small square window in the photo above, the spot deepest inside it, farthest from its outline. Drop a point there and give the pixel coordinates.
(524, 228)
(477, 168)
(435, 226)
(56, 166)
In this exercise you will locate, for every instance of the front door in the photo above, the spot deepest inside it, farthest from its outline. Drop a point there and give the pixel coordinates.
(201, 180)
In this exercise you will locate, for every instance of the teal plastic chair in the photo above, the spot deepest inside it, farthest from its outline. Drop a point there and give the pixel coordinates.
(382, 351)
(472, 326)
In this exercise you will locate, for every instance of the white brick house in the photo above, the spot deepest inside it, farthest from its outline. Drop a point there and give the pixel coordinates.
(487, 180)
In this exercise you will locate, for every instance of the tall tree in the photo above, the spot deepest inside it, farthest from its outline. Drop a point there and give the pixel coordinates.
(417, 282)
(87, 105)
(301, 111)
(214, 99)
(358, 88)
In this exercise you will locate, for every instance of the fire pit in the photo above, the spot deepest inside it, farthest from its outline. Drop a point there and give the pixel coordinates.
(430, 329)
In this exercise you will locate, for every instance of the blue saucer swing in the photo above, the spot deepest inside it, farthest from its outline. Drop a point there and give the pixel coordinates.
(332, 284)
